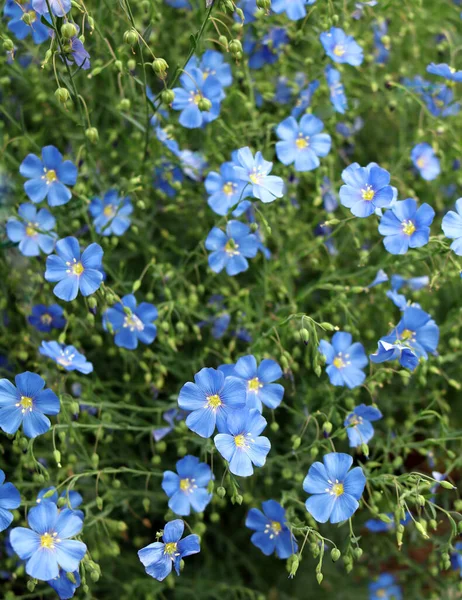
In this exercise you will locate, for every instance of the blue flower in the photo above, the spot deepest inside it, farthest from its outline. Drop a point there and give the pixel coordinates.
(440, 102)
(366, 189)
(213, 63)
(336, 89)
(188, 489)
(9, 500)
(335, 490)
(256, 171)
(67, 357)
(72, 498)
(381, 277)
(260, 385)
(74, 272)
(385, 588)
(415, 283)
(46, 318)
(196, 87)
(250, 10)
(382, 50)
(170, 416)
(16, 25)
(445, 71)
(63, 586)
(166, 176)
(406, 226)
(271, 532)
(231, 249)
(387, 351)
(304, 99)
(425, 160)
(345, 360)
(358, 424)
(179, 4)
(456, 558)
(341, 48)
(58, 7)
(243, 446)
(210, 398)
(46, 546)
(77, 54)
(225, 189)
(452, 227)
(110, 214)
(294, 9)
(131, 323)
(26, 404)
(30, 230)
(193, 164)
(267, 49)
(159, 558)
(302, 143)
(329, 197)
(48, 177)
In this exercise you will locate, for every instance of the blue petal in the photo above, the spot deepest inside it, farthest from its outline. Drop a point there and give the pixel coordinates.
(320, 506)
(337, 465)
(173, 531)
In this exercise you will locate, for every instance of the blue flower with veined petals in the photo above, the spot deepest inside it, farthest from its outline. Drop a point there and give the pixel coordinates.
(302, 143)
(345, 360)
(45, 318)
(225, 189)
(159, 558)
(76, 54)
(358, 424)
(9, 500)
(444, 70)
(170, 416)
(304, 99)
(67, 357)
(132, 325)
(213, 63)
(231, 250)
(31, 230)
(26, 405)
(425, 161)
(406, 226)
(452, 227)
(16, 25)
(73, 271)
(365, 189)
(385, 588)
(48, 177)
(242, 445)
(336, 89)
(209, 399)
(294, 9)
(58, 7)
(63, 586)
(271, 532)
(336, 490)
(267, 49)
(188, 488)
(341, 48)
(196, 87)
(259, 380)
(256, 171)
(111, 213)
(46, 546)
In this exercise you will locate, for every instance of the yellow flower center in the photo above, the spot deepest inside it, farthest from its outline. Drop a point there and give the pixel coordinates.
(25, 403)
(255, 177)
(170, 548)
(48, 541)
(109, 210)
(302, 142)
(253, 385)
(77, 269)
(368, 193)
(50, 176)
(214, 401)
(339, 50)
(452, 69)
(197, 98)
(421, 163)
(133, 322)
(231, 247)
(381, 593)
(32, 16)
(407, 334)
(239, 440)
(338, 362)
(408, 227)
(276, 527)
(228, 188)
(185, 484)
(337, 489)
(30, 230)
(46, 319)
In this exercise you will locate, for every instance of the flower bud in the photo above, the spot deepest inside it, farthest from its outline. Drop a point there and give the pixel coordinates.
(235, 46)
(327, 427)
(223, 41)
(160, 67)
(57, 457)
(68, 31)
(167, 96)
(221, 492)
(319, 576)
(358, 553)
(296, 443)
(8, 45)
(335, 554)
(265, 5)
(62, 95)
(447, 485)
(92, 134)
(125, 104)
(204, 104)
(305, 335)
(131, 37)
(421, 529)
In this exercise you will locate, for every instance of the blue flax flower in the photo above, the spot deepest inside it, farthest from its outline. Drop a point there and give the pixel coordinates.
(111, 213)
(381, 277)
(259, 380)
(170, 416)
(242, 445)
(365, 189)
(456, 558)
(225, 189)
(329, 196)
(385, 588)
(48, 177)
(9, 500)
(231, 250)
(382, 49)
(336, 89)
(335, 490)
(196, 87)
(58, 7)
(46, 546)
(74, 272)
(379, 526)
(406, 226)
(271, 532)
(358, 424)
(167, 178)
(15, 12)
(67, 357)
(210, 398)
(26, 404)
(45, 318)
(341, 48)
(32, 230)
(345, 360)
(159, 558)
(452, 227)
(256, 171)
(213, 63)
(415, 283)
(444, 70)
(188, 488)
(267, 49)
(302, 143)
(76, 54)
(132, 325)
(425, 161)
(294, 9)
(63, 586)
(440, 101)
(304, 99)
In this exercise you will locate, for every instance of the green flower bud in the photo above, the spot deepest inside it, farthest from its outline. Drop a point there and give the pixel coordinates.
(327, 427)
(235, 46)
(421, 529)
(160, 67)
(204, 104)
(9, 46)
(31, 585)
(92, 134)
(305, 335)
(68, 31)
(125, 104)
(223, 41)
(57, 457)
(296, 443)
(447, 485)
(221, 492)
(319, 576)
(99, 502)
(62, 95)
(167, 96)
(131, 37)
(358, 553)
(335, 554)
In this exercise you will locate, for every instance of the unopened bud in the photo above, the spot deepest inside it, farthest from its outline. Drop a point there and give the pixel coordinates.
(160, 67)
(68, 31)
(319, 578)
(131, 37)
(62, 95)
(335, 554)
(204, 104)
(92, 134)
(167, 96)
